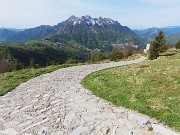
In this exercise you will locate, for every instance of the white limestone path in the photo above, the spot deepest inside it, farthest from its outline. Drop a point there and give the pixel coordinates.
(57, 104)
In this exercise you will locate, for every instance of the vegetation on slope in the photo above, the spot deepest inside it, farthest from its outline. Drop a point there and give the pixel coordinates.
(151, 87)
(39, 54)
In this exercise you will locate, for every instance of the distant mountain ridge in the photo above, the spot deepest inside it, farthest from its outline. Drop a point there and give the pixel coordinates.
(11, 29)
(172, 33)
(30, 34)
(5, 33)
(90, 32)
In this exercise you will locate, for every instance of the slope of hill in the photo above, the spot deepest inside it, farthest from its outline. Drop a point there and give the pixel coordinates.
(174, 38)
(30, 34)
(90, 32)
(40, 54)
(93, 32)
(4, 34)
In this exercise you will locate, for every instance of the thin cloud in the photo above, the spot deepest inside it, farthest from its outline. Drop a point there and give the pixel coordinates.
(136, 13)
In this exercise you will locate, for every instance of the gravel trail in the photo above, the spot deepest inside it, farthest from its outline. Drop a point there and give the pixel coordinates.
(57, 104)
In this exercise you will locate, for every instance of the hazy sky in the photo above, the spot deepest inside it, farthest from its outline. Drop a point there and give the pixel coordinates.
(132, 13)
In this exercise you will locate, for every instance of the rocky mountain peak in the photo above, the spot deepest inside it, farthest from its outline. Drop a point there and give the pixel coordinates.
(88, 20)
(72, 18)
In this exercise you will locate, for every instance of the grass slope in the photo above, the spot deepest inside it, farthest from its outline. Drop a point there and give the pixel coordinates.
(151, 87)
(10, 80)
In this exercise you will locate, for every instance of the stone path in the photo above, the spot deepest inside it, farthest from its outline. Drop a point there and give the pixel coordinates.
(56, 104)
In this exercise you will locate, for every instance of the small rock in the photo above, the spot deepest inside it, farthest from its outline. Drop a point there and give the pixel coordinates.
(149, 128)
(68, 118)
(108, 130)
(43, 131)
(58, 120)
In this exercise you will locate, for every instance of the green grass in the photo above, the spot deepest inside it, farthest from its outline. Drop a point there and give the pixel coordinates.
(150, 87)
(10, 80)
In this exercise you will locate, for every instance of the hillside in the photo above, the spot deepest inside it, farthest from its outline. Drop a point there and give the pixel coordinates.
(93, 32)
(174, 38)
(89, 32)
(40, 54)
(5, 33)
(30, 34)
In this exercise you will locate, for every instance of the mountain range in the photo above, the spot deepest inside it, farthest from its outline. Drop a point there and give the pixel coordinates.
(172, 33)
(92, 33)
(89, 32)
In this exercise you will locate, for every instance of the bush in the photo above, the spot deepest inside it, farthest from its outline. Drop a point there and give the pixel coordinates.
(71, 61)
(96, 56)
(127, 51)
(116, 55)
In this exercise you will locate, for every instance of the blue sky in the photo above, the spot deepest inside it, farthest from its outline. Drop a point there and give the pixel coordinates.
(135, 14)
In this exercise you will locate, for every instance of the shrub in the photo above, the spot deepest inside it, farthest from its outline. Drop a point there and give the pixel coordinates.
(5, 66)
(127, 51)
(96, 56)
(71, 61)
(116, 55)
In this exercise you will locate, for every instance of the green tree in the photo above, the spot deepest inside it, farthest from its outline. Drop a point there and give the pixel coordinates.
(161, 41)
(177, 45)
(153, 54)
(157, 46)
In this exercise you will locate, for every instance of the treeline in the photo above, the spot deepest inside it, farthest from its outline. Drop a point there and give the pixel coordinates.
(116, 54)
(36, 54)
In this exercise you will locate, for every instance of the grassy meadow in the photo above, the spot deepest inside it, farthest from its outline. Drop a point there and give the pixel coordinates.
(151, 87)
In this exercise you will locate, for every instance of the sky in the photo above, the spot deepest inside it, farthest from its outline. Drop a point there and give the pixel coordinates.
(136, 14)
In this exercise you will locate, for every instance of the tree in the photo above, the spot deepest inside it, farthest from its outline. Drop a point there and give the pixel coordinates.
(177, 45)
(153, 54)
(157, 46)
(161, 41)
